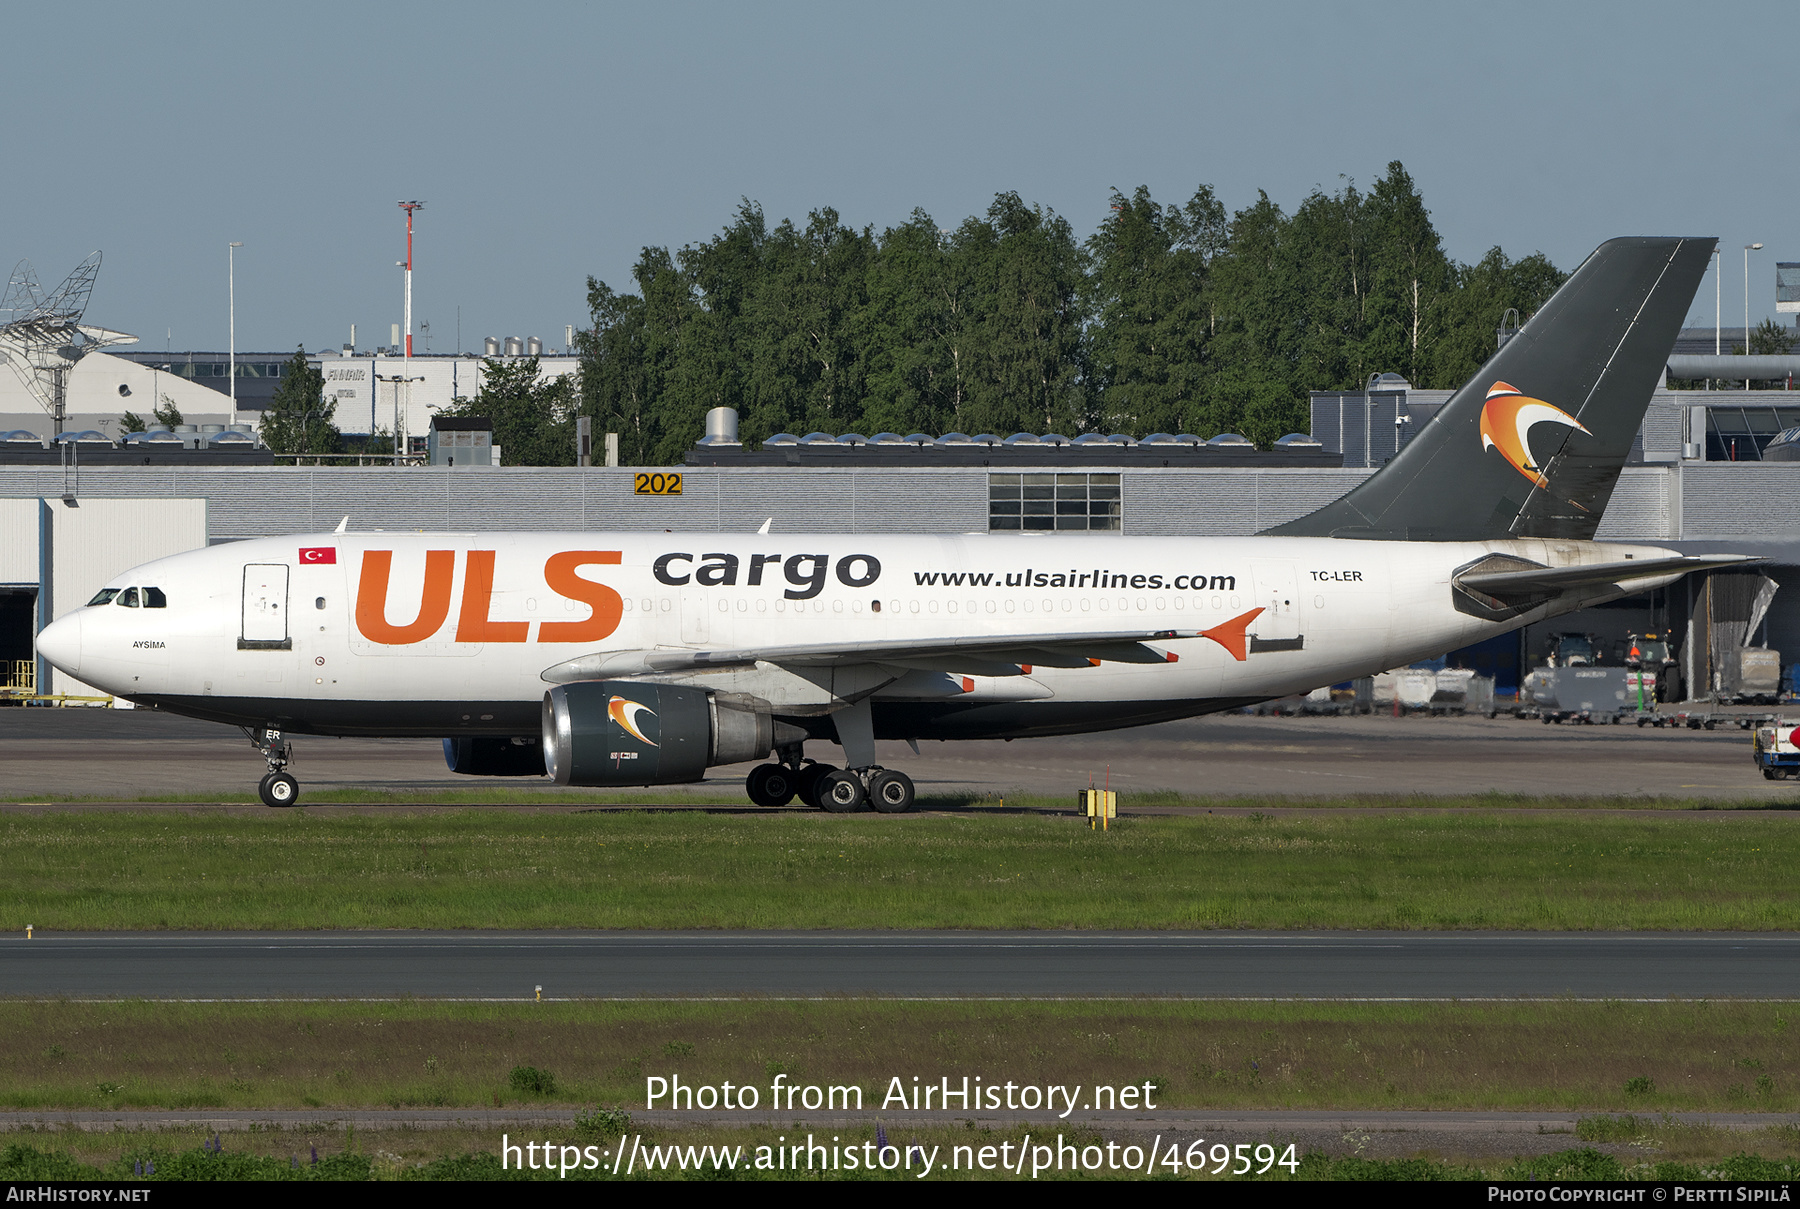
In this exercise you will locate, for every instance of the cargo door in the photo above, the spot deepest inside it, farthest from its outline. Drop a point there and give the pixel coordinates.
(1277, 627)
(265, 608)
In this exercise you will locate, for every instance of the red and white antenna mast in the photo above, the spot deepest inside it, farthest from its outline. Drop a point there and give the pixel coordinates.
(409, 207)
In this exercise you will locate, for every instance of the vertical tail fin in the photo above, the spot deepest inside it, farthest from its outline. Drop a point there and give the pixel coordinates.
(1531, 446)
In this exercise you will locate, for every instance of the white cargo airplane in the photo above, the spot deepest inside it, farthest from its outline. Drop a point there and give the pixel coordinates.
(670, 653)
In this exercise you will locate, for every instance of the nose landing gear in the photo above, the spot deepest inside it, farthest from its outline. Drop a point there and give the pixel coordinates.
(278, 788)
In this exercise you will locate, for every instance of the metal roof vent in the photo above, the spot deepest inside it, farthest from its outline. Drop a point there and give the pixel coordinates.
(721, 427)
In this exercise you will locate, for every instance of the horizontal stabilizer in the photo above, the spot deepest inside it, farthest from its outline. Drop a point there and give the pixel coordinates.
(1551, 581)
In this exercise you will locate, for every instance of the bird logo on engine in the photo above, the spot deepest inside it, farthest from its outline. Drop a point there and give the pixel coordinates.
(625, 713)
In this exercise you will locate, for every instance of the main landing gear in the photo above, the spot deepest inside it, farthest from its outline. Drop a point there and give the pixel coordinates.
(278, 788)
(838, 790)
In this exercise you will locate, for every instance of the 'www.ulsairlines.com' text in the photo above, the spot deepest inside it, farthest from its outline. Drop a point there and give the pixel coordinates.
(1099, 579)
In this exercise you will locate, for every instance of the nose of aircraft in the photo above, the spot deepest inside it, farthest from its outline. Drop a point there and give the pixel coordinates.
(60, 643)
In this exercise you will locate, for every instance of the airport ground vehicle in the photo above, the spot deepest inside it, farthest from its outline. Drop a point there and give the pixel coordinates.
(666, 654)
(1776, 749)
(1652, 673)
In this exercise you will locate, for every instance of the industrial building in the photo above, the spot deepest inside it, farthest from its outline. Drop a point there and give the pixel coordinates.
(373, 391)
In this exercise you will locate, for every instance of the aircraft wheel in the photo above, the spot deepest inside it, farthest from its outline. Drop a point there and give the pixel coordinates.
(279, 789)
(807, 781)
(840, 792)
(771, 785)
(892, 792)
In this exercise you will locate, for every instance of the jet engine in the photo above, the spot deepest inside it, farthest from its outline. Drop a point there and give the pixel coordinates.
(622, 732)
(491, 757)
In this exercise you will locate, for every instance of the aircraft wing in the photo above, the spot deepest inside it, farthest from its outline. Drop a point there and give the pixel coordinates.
(999, 654)
(1539, 581)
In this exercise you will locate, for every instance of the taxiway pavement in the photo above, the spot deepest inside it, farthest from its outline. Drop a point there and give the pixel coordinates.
(520, 966)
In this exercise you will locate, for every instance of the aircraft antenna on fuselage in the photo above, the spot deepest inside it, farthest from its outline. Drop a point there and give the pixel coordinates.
(342, 525)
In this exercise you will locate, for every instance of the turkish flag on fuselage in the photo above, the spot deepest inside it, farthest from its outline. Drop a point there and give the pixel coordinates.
(318, 554)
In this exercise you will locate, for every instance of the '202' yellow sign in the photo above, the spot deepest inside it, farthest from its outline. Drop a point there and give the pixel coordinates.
(656, 484)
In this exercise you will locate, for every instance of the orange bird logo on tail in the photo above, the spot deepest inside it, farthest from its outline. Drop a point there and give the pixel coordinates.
(1506, 419)
(625, 714)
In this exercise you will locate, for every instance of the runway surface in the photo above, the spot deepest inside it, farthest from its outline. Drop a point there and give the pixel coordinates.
(500, 966)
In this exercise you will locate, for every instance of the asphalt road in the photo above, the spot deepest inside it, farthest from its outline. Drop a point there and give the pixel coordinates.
(1364, 965)
(125, 754)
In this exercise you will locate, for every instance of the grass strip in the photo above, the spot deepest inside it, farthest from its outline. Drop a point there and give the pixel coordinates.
(731, 795)
(1636, 1059)
(309, 868)
(740, 1154)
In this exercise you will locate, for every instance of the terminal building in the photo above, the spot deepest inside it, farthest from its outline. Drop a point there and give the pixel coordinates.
(1709, 473)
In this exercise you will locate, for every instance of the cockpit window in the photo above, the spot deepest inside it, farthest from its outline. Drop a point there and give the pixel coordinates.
(129, 598)
(154, 599)
(103, 596)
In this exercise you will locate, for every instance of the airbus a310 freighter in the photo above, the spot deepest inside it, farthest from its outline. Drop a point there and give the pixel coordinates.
(625, 659)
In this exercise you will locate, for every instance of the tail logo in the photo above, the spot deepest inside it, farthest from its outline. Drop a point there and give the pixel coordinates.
(1506, 419)
(625, 714)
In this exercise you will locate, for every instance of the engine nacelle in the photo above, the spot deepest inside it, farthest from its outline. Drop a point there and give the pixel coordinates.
(481, 756)
(622, 732)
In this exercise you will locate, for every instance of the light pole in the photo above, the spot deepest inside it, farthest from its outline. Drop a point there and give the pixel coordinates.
(231, 353)
(1748, 248)
(399, 429)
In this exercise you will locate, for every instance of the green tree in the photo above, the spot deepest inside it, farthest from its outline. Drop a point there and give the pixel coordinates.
(615, 383)
(299, 418)
(1771, 339)
(1410, 280)
(917, 323)
(533, 415)
(1258, 324)
(1148, 298)
(1027, 351)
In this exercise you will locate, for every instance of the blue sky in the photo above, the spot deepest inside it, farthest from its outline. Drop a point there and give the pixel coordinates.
(553, 141)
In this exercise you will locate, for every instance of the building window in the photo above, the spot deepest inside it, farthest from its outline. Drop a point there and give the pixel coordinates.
(1053, 501)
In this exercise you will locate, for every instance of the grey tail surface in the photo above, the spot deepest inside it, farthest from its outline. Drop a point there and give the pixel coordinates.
(1531, 446)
